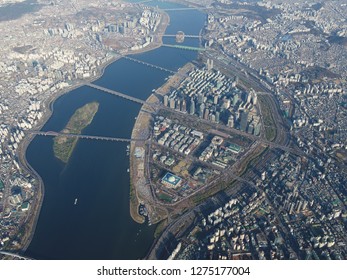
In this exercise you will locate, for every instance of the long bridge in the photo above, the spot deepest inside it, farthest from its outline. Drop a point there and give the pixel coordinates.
(81, 136)
(149, 64)
(185, 9)
(185, 36)
(184, 47)
(122, 95)
(14, 255)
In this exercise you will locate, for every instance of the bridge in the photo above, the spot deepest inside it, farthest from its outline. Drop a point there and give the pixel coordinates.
(122, 95)
(188, 48)
(185, 36)
(149, 64)
(81, 136)
(14, 255)
(185, 9)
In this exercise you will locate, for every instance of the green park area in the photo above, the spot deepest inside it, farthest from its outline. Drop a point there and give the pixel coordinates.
(64, 145)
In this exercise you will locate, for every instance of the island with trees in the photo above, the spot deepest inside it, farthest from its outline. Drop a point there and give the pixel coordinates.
(63, 145)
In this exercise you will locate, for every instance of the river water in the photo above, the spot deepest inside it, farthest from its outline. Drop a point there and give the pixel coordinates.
(100, 226)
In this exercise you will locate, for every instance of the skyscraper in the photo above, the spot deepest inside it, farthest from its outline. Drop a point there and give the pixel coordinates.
(192, 106)
(231, 121)
(249, 97)
(206, 114)
(184, 106)
(172, 103)
(217, 117)
(166, 100)
(200, 98)
(215, 99)
(201, 110)
(244, 121)
(209, 64)
(178, 105)
(235, 99)
(255, 98)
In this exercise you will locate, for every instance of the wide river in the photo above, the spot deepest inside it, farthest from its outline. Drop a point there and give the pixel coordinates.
(100, 226)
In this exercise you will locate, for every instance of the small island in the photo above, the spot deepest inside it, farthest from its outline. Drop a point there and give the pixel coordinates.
(63, 146)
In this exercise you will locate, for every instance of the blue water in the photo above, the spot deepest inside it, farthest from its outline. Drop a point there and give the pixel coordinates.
(100, 226)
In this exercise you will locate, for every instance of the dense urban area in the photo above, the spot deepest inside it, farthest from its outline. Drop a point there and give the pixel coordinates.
(245, 152)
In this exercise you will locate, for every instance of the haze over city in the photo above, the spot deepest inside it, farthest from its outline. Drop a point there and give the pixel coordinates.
(177, 129)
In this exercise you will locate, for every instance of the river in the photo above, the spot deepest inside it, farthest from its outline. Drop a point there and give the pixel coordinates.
(100, 226)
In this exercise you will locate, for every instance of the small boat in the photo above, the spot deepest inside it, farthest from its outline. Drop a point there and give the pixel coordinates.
(128, 170)
(75, 201)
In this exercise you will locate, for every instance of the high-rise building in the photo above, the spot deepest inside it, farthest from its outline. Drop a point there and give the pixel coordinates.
(178, 105)
(231, 121)
(192, 107)
(215, 99)
(255, 98)
(209, 64)
(200, 98)
(235, 99)
(184, 106)
(206, 114)
(249, 97)
(226, 103)
(250, 129)
(201, 110)
(244, 120)
(257, 129)
(166, 100)
(172, 103)
(217, 117)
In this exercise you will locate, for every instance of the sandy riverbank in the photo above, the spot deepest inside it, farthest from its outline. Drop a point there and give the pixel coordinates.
(48, 110)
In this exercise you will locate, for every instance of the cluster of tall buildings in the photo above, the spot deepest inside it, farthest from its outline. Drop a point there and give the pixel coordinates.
(212, 96)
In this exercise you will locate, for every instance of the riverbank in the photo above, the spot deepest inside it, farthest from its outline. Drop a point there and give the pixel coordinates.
(48, 110)
(140, 189)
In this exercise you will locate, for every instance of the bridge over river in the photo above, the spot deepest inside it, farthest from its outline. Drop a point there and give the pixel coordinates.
(81, 136)
(14, 255)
